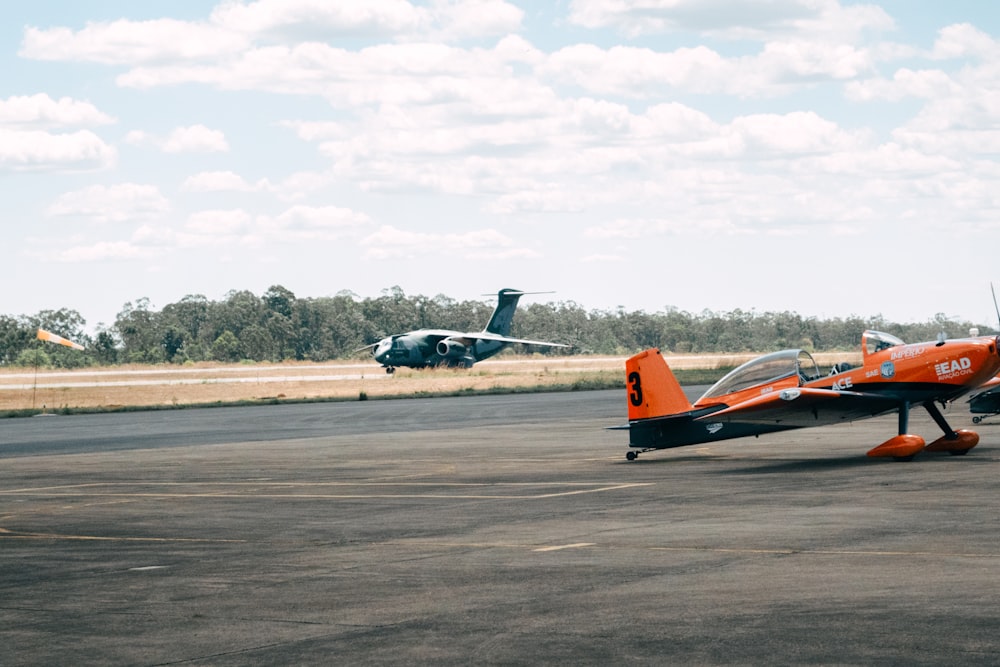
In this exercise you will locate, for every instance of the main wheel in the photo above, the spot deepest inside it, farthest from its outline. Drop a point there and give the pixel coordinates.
(631, 456)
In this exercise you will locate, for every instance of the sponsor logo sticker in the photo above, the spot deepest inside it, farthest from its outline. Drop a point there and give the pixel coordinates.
(950, 370)
(888, 370)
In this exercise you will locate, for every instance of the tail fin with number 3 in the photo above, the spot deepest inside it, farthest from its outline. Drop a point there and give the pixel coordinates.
(652, 389)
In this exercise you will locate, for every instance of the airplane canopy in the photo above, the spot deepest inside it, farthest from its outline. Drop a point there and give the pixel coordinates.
(876, 341)
(763, 370)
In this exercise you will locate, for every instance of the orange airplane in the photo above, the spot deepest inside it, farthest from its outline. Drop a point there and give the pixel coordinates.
(785, 390)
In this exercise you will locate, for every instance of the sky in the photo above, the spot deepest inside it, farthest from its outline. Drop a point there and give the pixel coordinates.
(825, 157)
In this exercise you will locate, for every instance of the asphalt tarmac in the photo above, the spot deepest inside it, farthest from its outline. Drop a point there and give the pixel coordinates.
(487, 530)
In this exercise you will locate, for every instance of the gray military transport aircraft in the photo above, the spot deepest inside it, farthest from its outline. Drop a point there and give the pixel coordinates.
(441, 347)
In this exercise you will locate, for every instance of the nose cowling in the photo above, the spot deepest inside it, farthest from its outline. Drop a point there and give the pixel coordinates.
(382, 349)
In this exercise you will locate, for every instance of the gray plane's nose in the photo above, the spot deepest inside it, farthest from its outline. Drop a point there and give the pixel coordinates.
(382, 349)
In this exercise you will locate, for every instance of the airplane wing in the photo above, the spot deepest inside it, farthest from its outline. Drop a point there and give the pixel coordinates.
(804, 406)
(986, 387)
(486, 335)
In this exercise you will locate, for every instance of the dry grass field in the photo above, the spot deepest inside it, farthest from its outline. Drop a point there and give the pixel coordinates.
(165, 385)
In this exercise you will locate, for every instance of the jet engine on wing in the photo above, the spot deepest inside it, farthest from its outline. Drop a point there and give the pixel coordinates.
(451, 349)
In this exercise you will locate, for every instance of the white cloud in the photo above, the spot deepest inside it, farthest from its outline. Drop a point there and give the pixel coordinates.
(421, 71)
(964, 40)
(237, 227)
(40, 110)
(101, 251)
(309, 17)
(220, 181)
(748, 19)
(633, 228)
(905, 82)
(38, 150)
(643, 73)
(195, 139)
(793, 133)
(115, 203)
(218, 223)
(463, 19)
(602, 258)
(221, 229)
(317, 222)
(391, 242)
(191, 139)
(125, 42)
(233, 27)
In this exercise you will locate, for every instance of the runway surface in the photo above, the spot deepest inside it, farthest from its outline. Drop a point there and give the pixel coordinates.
(506, 529)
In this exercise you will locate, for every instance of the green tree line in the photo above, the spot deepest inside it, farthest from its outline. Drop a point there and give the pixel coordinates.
(277, 326)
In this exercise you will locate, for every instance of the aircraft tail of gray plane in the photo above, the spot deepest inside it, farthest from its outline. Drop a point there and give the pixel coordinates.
(503, 314)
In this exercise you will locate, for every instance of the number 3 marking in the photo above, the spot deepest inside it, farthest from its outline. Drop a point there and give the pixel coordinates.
(635, 396)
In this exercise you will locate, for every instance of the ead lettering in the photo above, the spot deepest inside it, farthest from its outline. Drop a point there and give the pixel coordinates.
(947, 369)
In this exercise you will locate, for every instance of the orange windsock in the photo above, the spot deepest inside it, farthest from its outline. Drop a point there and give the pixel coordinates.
(58, 340)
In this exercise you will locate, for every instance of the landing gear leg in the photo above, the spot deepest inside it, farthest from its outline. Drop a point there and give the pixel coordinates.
(904, 425)
(904, 446)
(956, 443)
(389, 370)
(939, 419)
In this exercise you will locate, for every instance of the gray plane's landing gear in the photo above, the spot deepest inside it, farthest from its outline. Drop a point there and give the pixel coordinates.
(633, 454)
(389, 370)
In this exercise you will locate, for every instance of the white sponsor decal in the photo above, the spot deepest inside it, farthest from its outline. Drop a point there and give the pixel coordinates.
(908, 352)
(843, 383)
(949, 370)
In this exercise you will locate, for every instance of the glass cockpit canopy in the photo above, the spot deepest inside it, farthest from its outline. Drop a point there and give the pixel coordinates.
(763, 370)
(876, 341)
